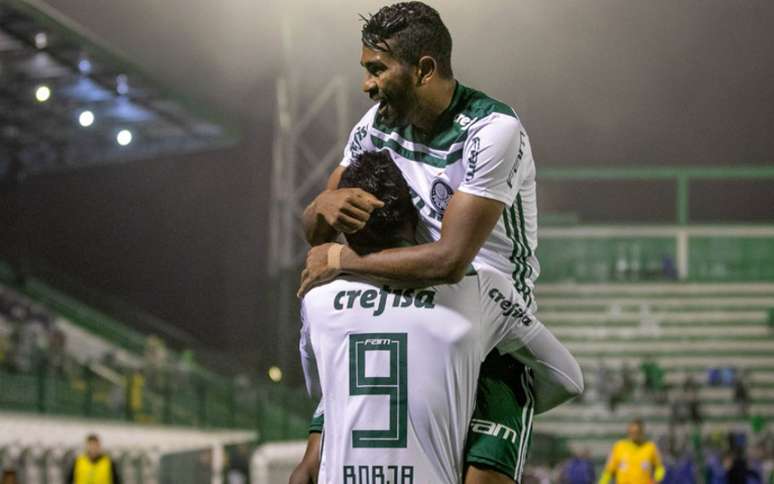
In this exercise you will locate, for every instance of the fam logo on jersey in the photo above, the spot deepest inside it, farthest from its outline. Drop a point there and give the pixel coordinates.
(493, 429)
(464, 121)
(440, 194)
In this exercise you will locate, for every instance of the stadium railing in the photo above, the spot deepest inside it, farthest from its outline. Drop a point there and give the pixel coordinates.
(657, 253)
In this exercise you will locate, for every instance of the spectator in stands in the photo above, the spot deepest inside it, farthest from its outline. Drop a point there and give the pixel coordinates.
(668, 268)
(579, 469)
(685, 405)
(691, 393)
(605, 385)
(715, 472)
(757, 460)
(628, 381)
(680, 467)
(634, 460)
(739, 470)
(238, 465)
(767, 465)
(742, 392)
(5, 349)
(57, 343)
(136, 382)
(653, 376)
(685, 471)
(25, 344)
(93, 466)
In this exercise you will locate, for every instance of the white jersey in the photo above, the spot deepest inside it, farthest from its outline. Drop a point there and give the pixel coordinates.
(398, 371)
(480, 148)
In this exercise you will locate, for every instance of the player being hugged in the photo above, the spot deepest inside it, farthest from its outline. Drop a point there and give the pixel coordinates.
(397, 367)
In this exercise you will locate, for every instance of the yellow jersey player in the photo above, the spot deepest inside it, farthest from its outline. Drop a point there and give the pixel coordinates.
(634, 460)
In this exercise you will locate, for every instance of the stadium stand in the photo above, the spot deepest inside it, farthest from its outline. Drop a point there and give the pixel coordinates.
(59, 356)
(67, 369)
(702, 338)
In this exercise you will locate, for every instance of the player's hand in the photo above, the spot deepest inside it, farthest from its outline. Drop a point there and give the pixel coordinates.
(347, 209)
(317, 270)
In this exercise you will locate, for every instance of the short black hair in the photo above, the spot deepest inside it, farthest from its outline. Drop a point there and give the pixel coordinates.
(414, 30)
(92, 438)
(376, 173)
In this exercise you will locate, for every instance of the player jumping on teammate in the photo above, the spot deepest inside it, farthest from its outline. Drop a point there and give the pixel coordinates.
(468, 161)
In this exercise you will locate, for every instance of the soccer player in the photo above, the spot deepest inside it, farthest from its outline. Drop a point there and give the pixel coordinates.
(634, 460)
(468, 161)
(398, 366)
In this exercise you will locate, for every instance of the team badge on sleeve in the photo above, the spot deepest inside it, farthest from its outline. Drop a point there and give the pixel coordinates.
(440, 194)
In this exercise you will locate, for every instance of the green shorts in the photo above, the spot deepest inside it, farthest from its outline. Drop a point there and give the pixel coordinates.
(501, 429)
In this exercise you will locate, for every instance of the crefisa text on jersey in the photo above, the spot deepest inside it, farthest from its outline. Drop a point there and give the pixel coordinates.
(510, 308)
(371, 298)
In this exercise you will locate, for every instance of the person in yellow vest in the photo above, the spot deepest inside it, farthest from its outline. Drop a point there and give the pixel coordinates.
(634, 460)
(93, 466)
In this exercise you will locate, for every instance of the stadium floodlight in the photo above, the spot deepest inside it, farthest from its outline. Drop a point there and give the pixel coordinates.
(124, 137)
(42, 93)
(275, 374)
(41, 40)
(86, 118)
(122, 84)
(84, 65)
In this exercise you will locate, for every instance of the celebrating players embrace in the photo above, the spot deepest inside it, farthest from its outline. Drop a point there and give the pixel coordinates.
(421, 334)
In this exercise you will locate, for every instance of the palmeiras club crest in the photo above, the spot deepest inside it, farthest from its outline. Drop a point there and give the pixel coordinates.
(440, 194)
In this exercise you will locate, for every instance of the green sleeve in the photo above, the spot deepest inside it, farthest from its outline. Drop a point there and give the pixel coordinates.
(316, 425)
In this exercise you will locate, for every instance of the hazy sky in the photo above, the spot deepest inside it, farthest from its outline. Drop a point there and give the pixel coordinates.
(595, 81)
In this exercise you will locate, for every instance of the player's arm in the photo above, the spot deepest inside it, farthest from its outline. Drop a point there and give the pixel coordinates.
(481, 475)
(306, 471)
(658, 467)
(467, 223)
(308, 360)
(610, 466)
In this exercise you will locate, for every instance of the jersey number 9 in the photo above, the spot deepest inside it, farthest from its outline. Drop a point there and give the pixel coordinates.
(394, 384)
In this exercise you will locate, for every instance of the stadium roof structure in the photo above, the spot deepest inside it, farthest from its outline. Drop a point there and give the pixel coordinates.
(67, 102)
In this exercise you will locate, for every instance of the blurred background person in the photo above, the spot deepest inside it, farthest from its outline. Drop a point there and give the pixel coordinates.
(634, 460)
(579, 469)
(93, 466)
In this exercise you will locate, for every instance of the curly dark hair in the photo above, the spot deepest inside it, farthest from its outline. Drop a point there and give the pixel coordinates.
(414, 29)
(376, 173)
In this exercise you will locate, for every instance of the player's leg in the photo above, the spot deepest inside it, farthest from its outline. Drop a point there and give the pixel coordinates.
(500, 432)
(557, 376)
(485, 475)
